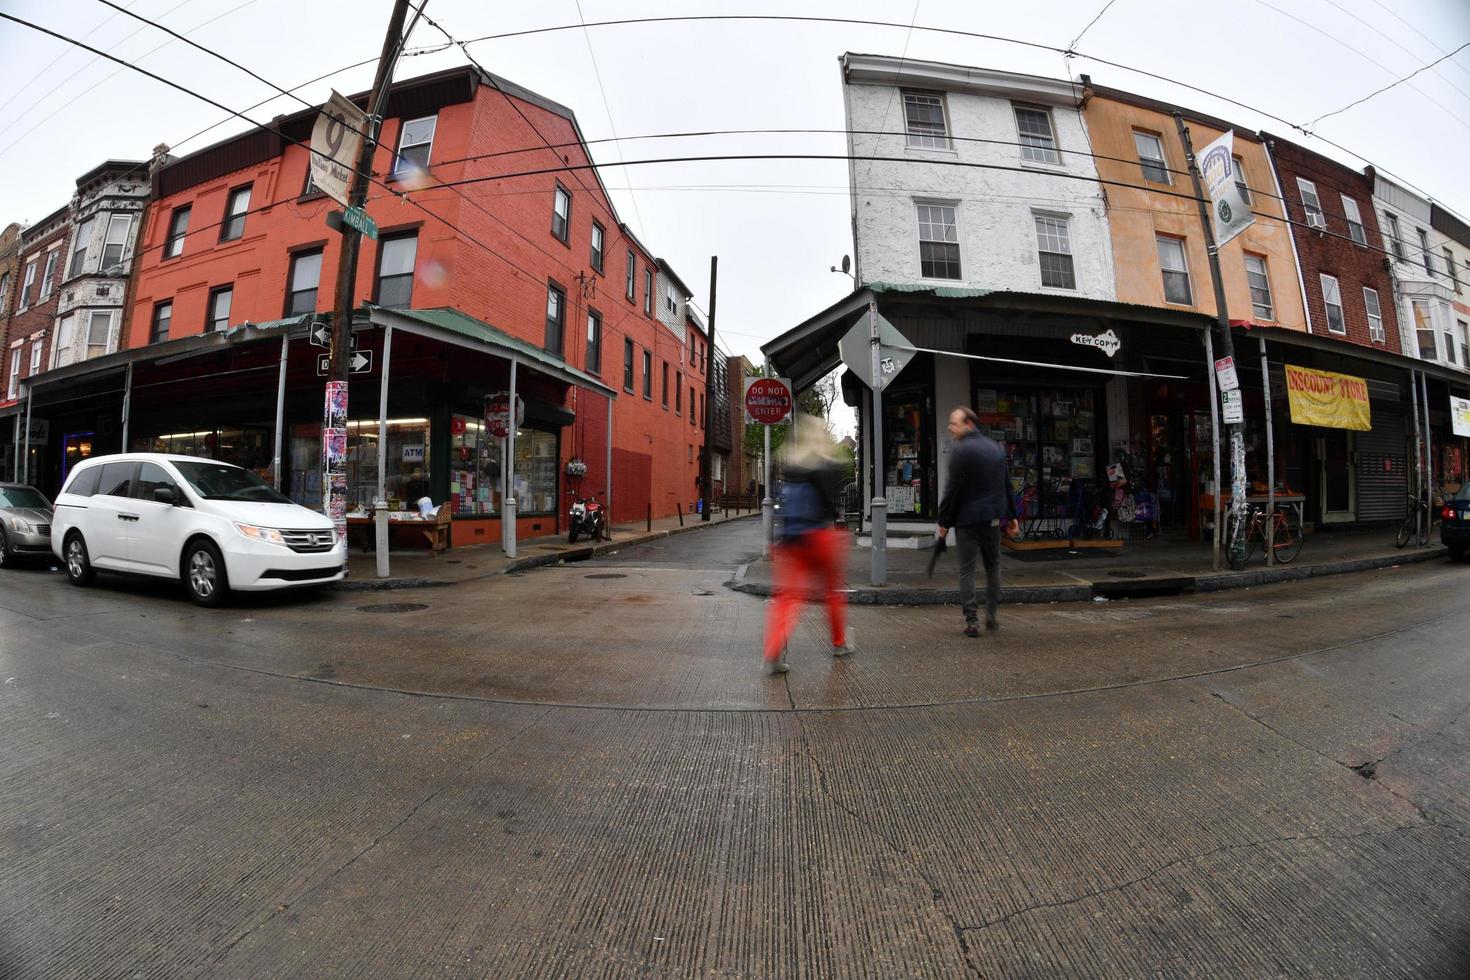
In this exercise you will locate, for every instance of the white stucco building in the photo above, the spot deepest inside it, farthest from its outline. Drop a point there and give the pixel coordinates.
(1033, 219)
(1427, 281)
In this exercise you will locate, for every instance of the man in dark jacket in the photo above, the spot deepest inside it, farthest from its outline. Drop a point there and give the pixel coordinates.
(976, 497)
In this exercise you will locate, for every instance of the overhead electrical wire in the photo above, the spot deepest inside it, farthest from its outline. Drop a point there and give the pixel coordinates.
(1391, 85)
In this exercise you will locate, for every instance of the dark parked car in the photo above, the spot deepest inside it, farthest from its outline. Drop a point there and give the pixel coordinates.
(25, 523)
(1455, 531)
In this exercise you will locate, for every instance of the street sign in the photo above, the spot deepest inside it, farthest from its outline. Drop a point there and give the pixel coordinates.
(360, 362)
(497, 413)
(362, 221)
(1232, 409)
(1225, 375)
(335, 141)
(768, 401)
(321, 336)
(856, 349)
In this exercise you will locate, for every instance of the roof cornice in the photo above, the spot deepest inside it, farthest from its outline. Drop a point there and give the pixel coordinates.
(875, 69)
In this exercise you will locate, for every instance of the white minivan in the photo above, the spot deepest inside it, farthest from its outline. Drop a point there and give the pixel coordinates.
(211, 525)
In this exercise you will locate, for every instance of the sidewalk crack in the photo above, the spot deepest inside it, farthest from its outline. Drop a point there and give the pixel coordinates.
(378, 839)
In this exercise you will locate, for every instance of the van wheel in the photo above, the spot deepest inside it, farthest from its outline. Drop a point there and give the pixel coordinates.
(78, 565)
(1457, 551)
(204, 574)
(4, 548)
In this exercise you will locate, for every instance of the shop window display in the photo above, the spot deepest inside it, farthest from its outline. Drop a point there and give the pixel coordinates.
(906, 479)
(475, 481)
(245, 446)
(1050, 439)
(536, 471)
(406, 478)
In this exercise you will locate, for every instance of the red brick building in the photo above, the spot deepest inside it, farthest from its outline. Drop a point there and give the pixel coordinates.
(9, 428)
(31, 303)
(476, 265)
(1348, 290)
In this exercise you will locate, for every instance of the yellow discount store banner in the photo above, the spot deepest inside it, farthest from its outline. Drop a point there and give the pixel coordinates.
(1334, 401)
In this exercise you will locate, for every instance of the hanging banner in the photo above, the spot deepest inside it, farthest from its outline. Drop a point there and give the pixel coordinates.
(1460, 416)
(1217, 167)
(1333, 401)
(335, 141)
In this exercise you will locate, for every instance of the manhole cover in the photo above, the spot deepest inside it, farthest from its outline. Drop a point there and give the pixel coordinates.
(1127, 574)
(393, 607)
(606, 575)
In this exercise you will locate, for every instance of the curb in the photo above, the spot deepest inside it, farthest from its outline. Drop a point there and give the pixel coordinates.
(524, 564)
(1130, 588)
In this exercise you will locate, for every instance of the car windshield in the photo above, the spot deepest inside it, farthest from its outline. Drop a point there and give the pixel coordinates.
(221, 481)
(22, 497)
(1464, 493)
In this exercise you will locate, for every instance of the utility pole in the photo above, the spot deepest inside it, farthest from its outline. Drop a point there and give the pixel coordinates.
(878, 517)
(706, 461)
(1236, 430)
(334, 464)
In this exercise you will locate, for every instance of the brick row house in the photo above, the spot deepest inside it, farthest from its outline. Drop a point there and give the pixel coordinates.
(1040, 241)
(484, 276)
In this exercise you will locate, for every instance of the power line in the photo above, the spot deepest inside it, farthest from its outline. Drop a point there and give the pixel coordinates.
(1385, 88)
(955, 32)
(1401, 47)
(1432, 43)
(607, 108)
(1090, 23)
(54, 61)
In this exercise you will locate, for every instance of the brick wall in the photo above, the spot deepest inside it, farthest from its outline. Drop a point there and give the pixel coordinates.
(36, 320)
(1355, 266)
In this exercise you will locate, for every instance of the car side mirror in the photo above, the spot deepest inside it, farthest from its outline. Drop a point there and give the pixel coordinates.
(165, 495)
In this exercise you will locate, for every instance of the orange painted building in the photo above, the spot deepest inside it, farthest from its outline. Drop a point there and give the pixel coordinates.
(482, 262)
(1155, 221)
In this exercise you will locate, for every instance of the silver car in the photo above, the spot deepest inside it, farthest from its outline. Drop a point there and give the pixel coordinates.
(25, 523)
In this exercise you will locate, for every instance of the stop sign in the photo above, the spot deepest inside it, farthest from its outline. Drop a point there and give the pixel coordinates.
(767, 400)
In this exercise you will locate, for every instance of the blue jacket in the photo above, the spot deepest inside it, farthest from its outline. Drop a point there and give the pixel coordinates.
(978, 489)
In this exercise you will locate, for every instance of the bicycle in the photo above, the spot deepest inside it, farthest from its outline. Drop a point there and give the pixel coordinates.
(1420, 516)
(1286, 534)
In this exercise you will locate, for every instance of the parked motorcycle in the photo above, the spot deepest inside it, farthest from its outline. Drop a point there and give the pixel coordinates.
(586, 519)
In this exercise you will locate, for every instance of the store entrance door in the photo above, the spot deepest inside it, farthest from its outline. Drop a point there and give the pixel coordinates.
(1338, 477)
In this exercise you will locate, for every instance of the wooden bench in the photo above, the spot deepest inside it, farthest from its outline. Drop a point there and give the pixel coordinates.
(435, 531)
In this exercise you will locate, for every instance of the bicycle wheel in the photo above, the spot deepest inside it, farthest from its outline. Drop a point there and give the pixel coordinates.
(1288, 543)
(1406, 531)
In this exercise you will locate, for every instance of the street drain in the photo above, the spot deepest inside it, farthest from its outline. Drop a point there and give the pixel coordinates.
(393, 607)
(606, 575)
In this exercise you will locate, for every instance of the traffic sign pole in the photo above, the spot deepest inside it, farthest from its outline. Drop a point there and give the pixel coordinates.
(878, 518)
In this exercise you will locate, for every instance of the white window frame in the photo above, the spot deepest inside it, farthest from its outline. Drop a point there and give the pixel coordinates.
(1376, 333)
(76, 263)
(1464, 343)
(173, 243)
(1450, 270)
(1425, 253)
(671, 305)
(559, 195)
(1264, 273)
(1356, 228)
(4, 291)
(1394, 235)
(1046, 154)
(231, 215)
(125, 223)
(1450, 340)
(36, 347)
(1161, 163)
(1323, 280)
(954, 207)
(922, 140)
(106, 344)
(64, 337)
(48, 278)
(1316, 217)
(1038, 217)
(1240, 184)
(14, 383)
(27, 283)
(1432, 330)
(398, 166)
(1164, 272)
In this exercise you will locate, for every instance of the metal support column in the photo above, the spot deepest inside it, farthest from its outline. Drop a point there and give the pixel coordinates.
(878, 525)
(127, 406)
(1270, 529)
(25, 459)
(768, 503)
(1215, 449)
(15, 452)
(280, 409)
(1418, 442)
(1431, 479)
(608, 511)
(380, 502)
(508, 518)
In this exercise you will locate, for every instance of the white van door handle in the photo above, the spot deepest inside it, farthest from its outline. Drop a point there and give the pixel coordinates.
(127, 517)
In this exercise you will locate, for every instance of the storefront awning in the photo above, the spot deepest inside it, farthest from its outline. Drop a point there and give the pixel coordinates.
(1349, 352)
(454, 327)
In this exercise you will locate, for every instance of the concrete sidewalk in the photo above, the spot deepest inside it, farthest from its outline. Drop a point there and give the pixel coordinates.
(420, 569)
(1159, 567)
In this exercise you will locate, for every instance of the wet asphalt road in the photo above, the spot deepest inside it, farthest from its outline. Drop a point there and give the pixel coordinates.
(579, 771)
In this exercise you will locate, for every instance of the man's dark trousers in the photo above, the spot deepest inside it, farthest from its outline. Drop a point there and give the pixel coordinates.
(982, 540)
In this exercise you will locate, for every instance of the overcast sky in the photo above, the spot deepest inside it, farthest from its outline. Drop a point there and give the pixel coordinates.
(777, 226)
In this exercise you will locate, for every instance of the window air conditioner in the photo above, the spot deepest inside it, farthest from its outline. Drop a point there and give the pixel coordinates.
(1316, 219)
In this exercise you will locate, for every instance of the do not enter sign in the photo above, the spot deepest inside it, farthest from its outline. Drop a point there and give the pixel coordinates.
(768, 401)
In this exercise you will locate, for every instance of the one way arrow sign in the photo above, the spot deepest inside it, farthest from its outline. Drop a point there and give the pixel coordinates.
(321, 335)
(360, 363)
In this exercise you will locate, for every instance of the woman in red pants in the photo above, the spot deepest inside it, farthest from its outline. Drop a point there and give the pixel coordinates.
(810, 552)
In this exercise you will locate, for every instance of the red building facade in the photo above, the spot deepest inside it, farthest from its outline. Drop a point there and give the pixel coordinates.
(470, 245)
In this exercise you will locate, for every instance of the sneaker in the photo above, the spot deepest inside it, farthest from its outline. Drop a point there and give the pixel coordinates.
(846, 647)
(972, 630)
(774, 667)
